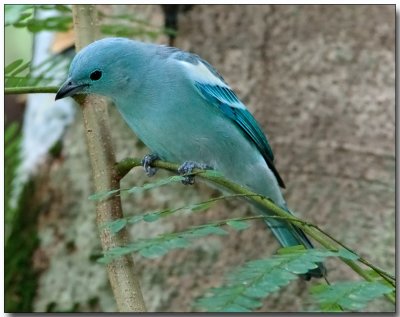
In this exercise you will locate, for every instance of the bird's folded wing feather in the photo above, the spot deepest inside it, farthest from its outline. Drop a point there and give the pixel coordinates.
(212, 87)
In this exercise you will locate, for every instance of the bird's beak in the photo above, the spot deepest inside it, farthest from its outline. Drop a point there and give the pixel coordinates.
(69, 88)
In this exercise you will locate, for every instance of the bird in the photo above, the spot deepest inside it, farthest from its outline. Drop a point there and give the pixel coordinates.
(185, 112)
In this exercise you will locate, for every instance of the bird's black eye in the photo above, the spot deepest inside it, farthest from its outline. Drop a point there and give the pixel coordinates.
(96, 75)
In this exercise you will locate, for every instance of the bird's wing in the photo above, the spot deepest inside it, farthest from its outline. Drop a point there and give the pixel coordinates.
(212, 87)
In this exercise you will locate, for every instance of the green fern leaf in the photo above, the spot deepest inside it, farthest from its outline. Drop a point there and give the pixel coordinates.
(16, 13)
(202, 206)
(153, 251)
(104, 195)
(117, 225)
(151, 217)
(12, 66)
(351, 296)
(246, 286)
(161, 244)
(238, 225)
(159, 183)
(20, 74)
(346, 254)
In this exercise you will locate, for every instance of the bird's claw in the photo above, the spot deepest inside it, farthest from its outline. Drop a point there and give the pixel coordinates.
(187, 168)
(147, 161)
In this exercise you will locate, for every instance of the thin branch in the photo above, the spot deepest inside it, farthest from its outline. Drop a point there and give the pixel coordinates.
(313, 231)
(386, 276)
(30, 90)
(121, 271)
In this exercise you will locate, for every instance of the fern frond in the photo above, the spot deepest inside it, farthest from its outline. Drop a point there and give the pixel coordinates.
(22, 16)
(350, 295)
(136, 189)
(247, 286)
(118, 224)
(163, 243)
(20, 76)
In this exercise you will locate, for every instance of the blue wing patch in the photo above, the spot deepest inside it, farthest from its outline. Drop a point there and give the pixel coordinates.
(226, 100)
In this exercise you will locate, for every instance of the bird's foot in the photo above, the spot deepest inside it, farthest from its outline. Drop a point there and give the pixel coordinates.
(147, 161)
(187, 168)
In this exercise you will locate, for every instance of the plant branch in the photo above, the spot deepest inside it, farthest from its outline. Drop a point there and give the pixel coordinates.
(121, 271)
(30, 90)
(385, 275)
(313, 231)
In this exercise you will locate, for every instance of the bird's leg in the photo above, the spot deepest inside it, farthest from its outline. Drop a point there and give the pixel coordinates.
(187, 168)
(147, 161)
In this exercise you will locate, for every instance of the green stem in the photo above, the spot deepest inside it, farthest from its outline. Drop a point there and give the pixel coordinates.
(386, 276)
(30, 90)
(313, 231)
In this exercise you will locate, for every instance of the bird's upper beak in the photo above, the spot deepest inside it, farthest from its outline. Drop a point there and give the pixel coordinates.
(69, 88)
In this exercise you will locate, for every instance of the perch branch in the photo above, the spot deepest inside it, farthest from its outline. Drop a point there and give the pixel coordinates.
(121, 272)
(326, 240)
(30, 90)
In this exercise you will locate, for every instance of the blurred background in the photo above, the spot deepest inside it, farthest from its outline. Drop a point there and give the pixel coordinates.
(318, 78)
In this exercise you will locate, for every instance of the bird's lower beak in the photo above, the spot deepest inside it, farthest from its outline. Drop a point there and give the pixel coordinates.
(69, 88)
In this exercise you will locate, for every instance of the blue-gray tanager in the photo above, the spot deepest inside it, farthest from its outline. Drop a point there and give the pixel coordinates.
(184, 111)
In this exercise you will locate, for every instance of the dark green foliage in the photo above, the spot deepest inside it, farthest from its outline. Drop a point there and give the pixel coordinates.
(58, 23)
(246, 286)
(238, 225)
(17, 13)
(56, 149)
(20, 232)
(163, 243)
(20, 279)
(22, 16)
(20, 74)
(351, 295)
(127, 25)
(12, 66)
(12, 140)
(119, 224)
(377, 277)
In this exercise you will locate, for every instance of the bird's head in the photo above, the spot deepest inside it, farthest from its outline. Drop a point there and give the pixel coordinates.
(104, 67)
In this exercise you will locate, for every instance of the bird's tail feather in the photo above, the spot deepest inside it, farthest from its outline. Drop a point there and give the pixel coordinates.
(289, 235)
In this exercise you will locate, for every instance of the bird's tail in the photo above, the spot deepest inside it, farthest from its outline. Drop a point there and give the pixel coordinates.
(289, 235)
